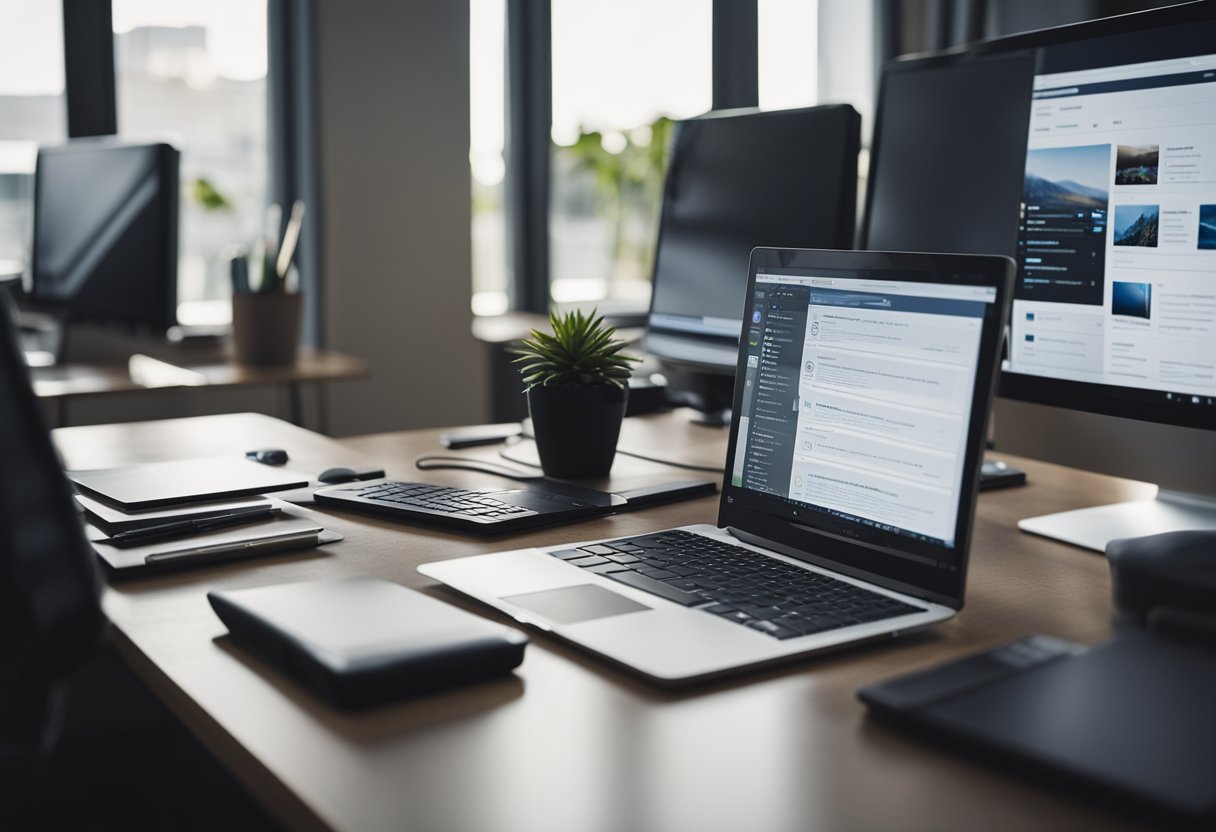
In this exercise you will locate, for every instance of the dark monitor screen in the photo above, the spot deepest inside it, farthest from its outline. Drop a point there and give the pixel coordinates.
(105, 232)
(945, 169)
(739, 180)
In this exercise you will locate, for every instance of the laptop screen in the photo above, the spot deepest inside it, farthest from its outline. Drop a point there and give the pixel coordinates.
(858, 403)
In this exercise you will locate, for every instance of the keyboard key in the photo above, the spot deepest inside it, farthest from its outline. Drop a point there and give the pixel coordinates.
(607, 568)
(654, 587)
(657, 574)
(568, 554)
(599, 550)
(590, 560)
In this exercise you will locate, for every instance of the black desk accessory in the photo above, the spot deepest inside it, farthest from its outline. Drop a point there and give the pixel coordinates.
(192, 526)
(268, 456)
(335, 476)
(1165, 579)
(472, 437)
(995, 474)
(362, 641)
(1132, 718)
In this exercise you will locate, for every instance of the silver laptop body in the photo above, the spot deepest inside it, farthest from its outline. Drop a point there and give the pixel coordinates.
(862, 392)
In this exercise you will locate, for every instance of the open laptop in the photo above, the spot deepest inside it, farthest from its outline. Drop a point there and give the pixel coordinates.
(862, 392)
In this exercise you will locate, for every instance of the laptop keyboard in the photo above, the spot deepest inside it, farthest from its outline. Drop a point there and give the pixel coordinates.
(438, 499)
(737, 584)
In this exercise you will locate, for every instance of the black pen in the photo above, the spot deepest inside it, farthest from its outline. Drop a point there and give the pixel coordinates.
(183, 528)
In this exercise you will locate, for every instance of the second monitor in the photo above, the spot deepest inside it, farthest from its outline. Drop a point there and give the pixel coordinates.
(105, 233)
(740, 179)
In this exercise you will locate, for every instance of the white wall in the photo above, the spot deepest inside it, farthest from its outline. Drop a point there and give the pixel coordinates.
(394, 136)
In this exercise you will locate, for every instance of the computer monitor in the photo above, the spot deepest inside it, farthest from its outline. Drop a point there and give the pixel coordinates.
(945, 172)
(105, 233)
(1111, 361)
(740, 179)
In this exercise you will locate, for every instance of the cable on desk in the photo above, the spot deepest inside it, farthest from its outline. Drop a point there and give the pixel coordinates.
(687, 466)
(437, 461)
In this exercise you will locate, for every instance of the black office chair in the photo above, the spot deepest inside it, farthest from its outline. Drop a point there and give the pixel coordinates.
(50, 613)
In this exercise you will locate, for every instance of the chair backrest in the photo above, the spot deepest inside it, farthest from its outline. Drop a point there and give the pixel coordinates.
(50, 613)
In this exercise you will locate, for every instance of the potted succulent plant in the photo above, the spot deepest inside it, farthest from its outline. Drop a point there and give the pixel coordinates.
(576, 380)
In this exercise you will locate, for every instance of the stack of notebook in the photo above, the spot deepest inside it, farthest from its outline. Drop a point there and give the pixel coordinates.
(172, 514)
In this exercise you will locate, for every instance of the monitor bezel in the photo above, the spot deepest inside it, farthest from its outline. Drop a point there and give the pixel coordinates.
(849, 547)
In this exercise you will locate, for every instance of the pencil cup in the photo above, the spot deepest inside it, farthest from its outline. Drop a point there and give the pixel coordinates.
(266, 328)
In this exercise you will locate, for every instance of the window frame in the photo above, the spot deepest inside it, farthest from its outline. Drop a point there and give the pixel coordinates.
(735, 69)
(90, 82)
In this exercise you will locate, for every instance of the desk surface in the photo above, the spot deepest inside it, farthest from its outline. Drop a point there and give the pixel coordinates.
(207, 370)
(570, 743)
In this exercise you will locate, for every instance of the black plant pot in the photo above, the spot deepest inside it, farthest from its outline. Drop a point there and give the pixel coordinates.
(576, 428)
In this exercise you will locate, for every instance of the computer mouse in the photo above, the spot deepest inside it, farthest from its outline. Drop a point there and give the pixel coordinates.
(334, 476)
(268, 456)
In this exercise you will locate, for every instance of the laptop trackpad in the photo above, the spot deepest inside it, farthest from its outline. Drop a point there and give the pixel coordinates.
(571, 604)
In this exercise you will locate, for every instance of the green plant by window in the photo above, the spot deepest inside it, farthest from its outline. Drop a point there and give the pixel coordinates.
(582, 350)
(209, 197)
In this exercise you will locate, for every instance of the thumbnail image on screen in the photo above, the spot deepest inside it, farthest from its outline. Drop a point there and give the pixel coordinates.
(1131, 299)
(1136, 225)
(1063, 229)
(1207, 227)
(1136, 164)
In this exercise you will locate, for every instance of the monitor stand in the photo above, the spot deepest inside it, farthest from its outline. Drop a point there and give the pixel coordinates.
(1093, 528)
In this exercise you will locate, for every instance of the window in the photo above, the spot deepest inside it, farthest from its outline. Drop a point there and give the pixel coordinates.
(620, 72)
(31, 112)
(788, 55)
(487, 142)
(194, 74)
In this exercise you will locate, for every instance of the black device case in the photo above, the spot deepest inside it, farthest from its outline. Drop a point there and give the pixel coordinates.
(362, 641)
(1130, 719)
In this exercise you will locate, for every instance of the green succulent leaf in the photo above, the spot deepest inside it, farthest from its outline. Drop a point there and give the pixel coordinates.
(581, 350)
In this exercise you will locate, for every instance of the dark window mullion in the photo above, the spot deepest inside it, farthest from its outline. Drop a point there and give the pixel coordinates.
(88, 64)
(292, 136)
(529, 121)
(736, 54)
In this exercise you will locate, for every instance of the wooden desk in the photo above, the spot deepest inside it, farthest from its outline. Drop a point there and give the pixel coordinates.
(571, 743)
(188, 369)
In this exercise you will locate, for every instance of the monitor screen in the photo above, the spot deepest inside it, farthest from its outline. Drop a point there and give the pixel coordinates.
(1105, 196)
(105, 232)
(862, 395)
(738, 180)
(857, 397)
(1117, 232)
